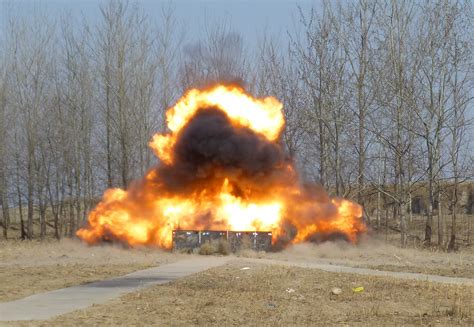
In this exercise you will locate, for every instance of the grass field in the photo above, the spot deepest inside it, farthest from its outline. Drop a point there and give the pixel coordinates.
(28, 267)
(375, 252)
(261, 295)
(276, 295)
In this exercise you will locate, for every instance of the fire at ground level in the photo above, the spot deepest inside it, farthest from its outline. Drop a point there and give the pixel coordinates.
(222, 167)
(191, 240)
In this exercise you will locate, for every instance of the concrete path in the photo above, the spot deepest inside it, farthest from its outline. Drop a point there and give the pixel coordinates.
(370, 272)
(50, 304)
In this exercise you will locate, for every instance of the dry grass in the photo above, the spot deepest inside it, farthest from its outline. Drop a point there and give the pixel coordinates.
(374, 252)
(207, 248)
(16, 282)
(216, 247)
(275, 295)
(223, 247)
(416, 231)
(29, 253)
(27, 268)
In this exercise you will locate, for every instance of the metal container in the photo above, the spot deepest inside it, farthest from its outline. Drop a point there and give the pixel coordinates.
(188, 240)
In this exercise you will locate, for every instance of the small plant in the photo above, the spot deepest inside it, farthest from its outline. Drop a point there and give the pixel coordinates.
(207, 249)
(223, 247)
(246, 242)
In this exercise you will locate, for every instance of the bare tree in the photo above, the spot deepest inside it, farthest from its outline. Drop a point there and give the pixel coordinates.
(313, 53)
(30, 48)
(125, 57)
(360, 19)
(460, 87)
(391, 122)
(220, 56)
(4, 119)
(278, 75)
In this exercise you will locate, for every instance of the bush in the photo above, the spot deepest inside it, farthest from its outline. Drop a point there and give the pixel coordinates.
(223, 247)
(246, 243)
(207, 249)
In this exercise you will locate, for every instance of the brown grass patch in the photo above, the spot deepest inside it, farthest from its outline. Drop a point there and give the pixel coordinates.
(29, 267)
(376, 253)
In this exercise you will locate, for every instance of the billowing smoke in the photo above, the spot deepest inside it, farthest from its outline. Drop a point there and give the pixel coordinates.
(209, 144)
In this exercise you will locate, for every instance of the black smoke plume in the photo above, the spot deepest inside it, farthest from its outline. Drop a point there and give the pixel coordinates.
(211, 143)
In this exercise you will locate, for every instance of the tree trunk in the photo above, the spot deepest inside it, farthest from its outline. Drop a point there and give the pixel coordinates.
(429, 214)
(361, 157)
(378, 210)
(322, 154)
(452, 239)
(403, 227)
(108, 124)
(4, 202)
(72, 220)
(42, 213)
(30, 188)
(441, 221)
(337, 163)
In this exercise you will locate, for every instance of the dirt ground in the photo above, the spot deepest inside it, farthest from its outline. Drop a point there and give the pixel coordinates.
(27, 268)
(276, 295)
(376, 253)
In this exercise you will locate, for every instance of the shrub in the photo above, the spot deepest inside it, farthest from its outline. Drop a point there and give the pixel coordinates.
(223, 247)
(207, 249)
(246, 242)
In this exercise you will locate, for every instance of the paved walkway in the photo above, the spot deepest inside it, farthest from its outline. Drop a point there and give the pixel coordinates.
(50, 304)
(370, 272)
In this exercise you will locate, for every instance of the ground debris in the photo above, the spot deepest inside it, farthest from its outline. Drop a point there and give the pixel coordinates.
(358, 289)
(336, 291)
(270, 305)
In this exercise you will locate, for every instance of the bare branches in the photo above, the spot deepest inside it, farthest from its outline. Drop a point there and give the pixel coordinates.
(377, 96)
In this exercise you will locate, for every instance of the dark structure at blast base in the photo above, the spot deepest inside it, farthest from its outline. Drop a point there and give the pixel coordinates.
(188, 240)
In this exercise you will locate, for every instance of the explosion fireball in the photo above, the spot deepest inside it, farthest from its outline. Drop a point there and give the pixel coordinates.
(222, 168)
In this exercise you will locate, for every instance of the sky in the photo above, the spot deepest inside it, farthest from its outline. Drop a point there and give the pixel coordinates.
(249, 18)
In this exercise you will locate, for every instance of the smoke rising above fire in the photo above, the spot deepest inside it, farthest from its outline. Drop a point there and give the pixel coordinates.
(210, 143)
(222, 167)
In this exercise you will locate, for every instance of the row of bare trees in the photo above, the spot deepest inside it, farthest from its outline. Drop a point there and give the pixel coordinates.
(383, 92)
(378, 100)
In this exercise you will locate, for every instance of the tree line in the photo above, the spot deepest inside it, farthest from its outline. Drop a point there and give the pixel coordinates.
(378, 99)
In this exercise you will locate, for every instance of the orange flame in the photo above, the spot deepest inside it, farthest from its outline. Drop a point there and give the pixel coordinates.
(147, 212)
(263, 116)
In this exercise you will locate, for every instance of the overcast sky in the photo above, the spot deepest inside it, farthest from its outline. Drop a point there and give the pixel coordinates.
(249, 18)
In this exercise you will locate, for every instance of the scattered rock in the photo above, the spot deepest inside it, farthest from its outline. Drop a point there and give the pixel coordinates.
(298, 297)
(336, 291)
(271, 305)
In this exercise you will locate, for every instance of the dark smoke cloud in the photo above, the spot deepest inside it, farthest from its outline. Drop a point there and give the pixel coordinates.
(210, 143)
